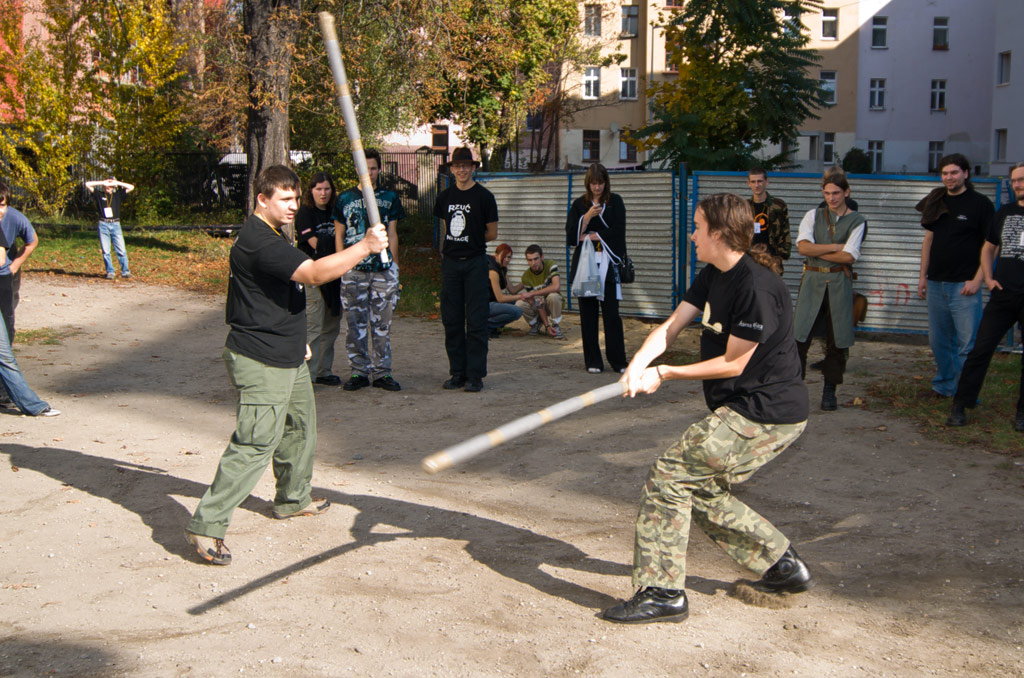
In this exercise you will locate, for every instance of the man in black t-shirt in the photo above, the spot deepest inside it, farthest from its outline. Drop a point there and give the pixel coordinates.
(752, 385)
(266, 355)
(108, 203)
(469, 215)
(1005, 306)
(956, 219)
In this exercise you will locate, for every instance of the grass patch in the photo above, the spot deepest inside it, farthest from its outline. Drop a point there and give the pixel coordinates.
(191, 260)
(196, 261)
(989, 426)
(49, 336)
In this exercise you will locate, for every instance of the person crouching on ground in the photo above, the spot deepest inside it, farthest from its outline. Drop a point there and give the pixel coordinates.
(752, 385)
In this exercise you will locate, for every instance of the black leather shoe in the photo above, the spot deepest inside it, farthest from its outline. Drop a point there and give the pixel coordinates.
(357, 382)
(474, 385)
(957, 416)
(454, 382)
(329, 380)
(650, 604)
(1018, 421)
(788, 575)
(387, 383)
(828, 397)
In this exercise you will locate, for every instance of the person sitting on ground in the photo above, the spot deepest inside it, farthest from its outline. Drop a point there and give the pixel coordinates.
(503, 309)
(541, 298)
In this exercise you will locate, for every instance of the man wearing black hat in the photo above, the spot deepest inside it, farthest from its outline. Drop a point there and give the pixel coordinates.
(469, 214)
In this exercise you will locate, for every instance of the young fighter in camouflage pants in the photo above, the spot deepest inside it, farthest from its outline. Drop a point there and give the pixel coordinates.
(369, 292)
(758, 402)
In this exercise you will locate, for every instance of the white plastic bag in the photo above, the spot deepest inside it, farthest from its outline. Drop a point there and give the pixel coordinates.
(587, 281)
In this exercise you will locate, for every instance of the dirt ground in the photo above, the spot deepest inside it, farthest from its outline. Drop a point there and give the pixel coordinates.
(494, 568)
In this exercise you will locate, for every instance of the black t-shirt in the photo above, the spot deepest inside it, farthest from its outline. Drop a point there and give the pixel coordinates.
(492, 265)
(1007, 233)
(957, 237)
(465, 215)
(109, 204)
(313, 222)
(751, 302)
(266, 309)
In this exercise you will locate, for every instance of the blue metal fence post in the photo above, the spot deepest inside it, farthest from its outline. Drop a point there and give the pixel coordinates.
(568, 256)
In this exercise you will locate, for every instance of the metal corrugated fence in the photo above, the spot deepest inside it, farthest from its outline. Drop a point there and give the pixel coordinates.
(890, 258)
(659, 208)
(533, 209)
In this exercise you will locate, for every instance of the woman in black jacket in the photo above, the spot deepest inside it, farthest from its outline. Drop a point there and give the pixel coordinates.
(600, 215)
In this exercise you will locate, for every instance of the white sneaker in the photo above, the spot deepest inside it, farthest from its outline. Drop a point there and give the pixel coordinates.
(49, 412)
(594, 370)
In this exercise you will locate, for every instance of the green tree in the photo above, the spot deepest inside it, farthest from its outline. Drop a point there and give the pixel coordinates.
(743, 84)
(856, 161)
(137, 87)
(46, 130)
(498, 62)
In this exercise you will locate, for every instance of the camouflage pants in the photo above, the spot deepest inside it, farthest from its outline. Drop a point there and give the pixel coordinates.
(368, 298)
(694, 477)
(552, 305)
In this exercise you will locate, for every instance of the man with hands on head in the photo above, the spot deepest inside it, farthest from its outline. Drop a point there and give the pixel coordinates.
(266, 355)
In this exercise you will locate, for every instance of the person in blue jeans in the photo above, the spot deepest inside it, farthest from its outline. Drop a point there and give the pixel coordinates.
(23, 397)
(502, 308)
(108, 202)
(956, 219)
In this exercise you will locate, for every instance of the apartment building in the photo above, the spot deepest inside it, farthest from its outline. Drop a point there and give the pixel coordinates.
(1007, 131)
(907, 81)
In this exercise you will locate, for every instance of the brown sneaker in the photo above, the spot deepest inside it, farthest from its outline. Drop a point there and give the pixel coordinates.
(314, 508)
(209, 549)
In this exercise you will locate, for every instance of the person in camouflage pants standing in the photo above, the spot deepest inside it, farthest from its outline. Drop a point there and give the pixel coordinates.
(369, 292)
(752, 385)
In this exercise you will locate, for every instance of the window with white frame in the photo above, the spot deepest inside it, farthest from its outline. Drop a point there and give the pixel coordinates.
(591, 145)
(791, 19)
(938, 102)
(940, 33)
(627, 151)
(1003, 69)
(592, 21)
(875, 149)
(1000, 145)
(627, 88)
(828, 148)
(827, 82)
(876, 94)
(630, 20)
(829, 24)
(879, 32)
(936, 151)
(592, 82)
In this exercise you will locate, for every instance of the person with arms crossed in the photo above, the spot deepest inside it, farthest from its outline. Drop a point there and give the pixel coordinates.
(469, 220)
(1005, 306)
(265, 354)
(752, 385)
(830, 237)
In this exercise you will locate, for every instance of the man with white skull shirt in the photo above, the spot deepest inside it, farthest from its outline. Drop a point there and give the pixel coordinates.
(469, 216)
